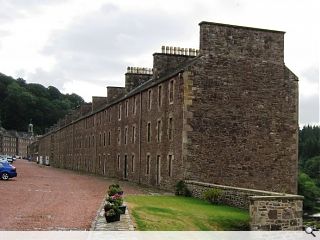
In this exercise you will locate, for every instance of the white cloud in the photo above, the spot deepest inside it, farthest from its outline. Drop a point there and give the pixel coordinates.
(82, 46)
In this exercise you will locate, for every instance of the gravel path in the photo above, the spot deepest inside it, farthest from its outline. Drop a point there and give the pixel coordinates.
(46, 198)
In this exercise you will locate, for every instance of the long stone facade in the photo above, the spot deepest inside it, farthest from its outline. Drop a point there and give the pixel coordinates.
(225, 114)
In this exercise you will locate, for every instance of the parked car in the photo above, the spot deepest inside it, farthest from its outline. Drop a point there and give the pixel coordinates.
(7, 170)
(3, 160)
(7, 157)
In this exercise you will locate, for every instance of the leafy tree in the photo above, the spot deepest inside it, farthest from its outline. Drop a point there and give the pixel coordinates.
(21, 102)
(312, 168)
(54, 93)
(309, 143)
(38, 90)
(309, 164)
(308, 188)
(74, 99)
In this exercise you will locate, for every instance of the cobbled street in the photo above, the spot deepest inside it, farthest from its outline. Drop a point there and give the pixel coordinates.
(47, 198)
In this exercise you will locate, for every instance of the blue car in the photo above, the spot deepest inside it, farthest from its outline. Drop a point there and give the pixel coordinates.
(7, 170)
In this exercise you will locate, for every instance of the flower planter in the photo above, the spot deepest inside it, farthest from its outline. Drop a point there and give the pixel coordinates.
(113, 218)
(123, 209)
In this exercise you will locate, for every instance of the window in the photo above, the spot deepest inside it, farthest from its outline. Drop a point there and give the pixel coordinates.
(149, 99)
(100, 139)
(170, 128)
(132, 163)
(127, 108)
(133, 140)
(148, 165)
(119, 136)
(149, 132)
(170, 158)
(171, 86)
(159, 131)
(109, 138)
(159, 95)
(134, 105)
(104, 139)
(158, 176)
(118, 161)
(119, 111)
(125, 135)
(109, 115)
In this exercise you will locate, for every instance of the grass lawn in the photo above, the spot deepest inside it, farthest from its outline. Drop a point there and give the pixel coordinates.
(176, 213)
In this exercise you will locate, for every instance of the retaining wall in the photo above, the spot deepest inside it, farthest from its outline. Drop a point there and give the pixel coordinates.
(268, 210)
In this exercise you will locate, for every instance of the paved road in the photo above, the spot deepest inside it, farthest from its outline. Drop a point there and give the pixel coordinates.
(46, 198)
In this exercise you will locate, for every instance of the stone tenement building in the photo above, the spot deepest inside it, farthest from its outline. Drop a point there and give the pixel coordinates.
(224, 114)
(15, 143)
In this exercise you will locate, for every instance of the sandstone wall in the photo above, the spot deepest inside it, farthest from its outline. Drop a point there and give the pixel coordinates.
(241, 111)
(270, 213)
(268, 210)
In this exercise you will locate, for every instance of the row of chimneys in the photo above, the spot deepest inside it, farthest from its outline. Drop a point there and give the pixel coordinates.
(131, 82)
(140, 70)
(180, 51)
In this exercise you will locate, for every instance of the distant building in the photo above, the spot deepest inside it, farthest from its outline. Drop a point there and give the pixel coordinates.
(15, 143)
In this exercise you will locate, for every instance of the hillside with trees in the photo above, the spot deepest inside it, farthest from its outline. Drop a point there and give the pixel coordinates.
(309, 166)
(21, 101)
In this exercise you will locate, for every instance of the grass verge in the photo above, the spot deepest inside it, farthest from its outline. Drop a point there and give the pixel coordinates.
(176, 213)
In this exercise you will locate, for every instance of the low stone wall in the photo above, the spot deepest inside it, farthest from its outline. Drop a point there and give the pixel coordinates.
(231, 196)
(268, 210)
(276, 212)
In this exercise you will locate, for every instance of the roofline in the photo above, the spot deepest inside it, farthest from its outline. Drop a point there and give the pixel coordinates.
(137, 90)
(237, 26)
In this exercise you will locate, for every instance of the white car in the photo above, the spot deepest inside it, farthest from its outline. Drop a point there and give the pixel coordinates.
(7, 158)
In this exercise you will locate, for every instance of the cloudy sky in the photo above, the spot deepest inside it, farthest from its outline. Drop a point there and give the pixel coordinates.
(82, 46)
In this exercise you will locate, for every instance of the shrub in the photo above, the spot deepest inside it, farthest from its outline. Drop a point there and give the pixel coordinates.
(111, 212)
(114, 186)
(107, 206)
(212, 195)
(308, 188)
(114, 189)
(115, 199)
(111, 209)
(182, 189)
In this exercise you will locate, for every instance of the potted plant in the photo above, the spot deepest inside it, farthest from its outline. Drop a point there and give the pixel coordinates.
(114, 189)
(108, 206)
(118, 201)
(113, 214)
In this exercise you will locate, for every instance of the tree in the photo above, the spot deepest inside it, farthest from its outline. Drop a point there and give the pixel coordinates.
(312, 168)
(54, 93)
(21, 102)
(309, 143)
(308, 188)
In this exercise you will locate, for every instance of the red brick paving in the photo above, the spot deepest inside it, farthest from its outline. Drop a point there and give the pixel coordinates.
(46, 198)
